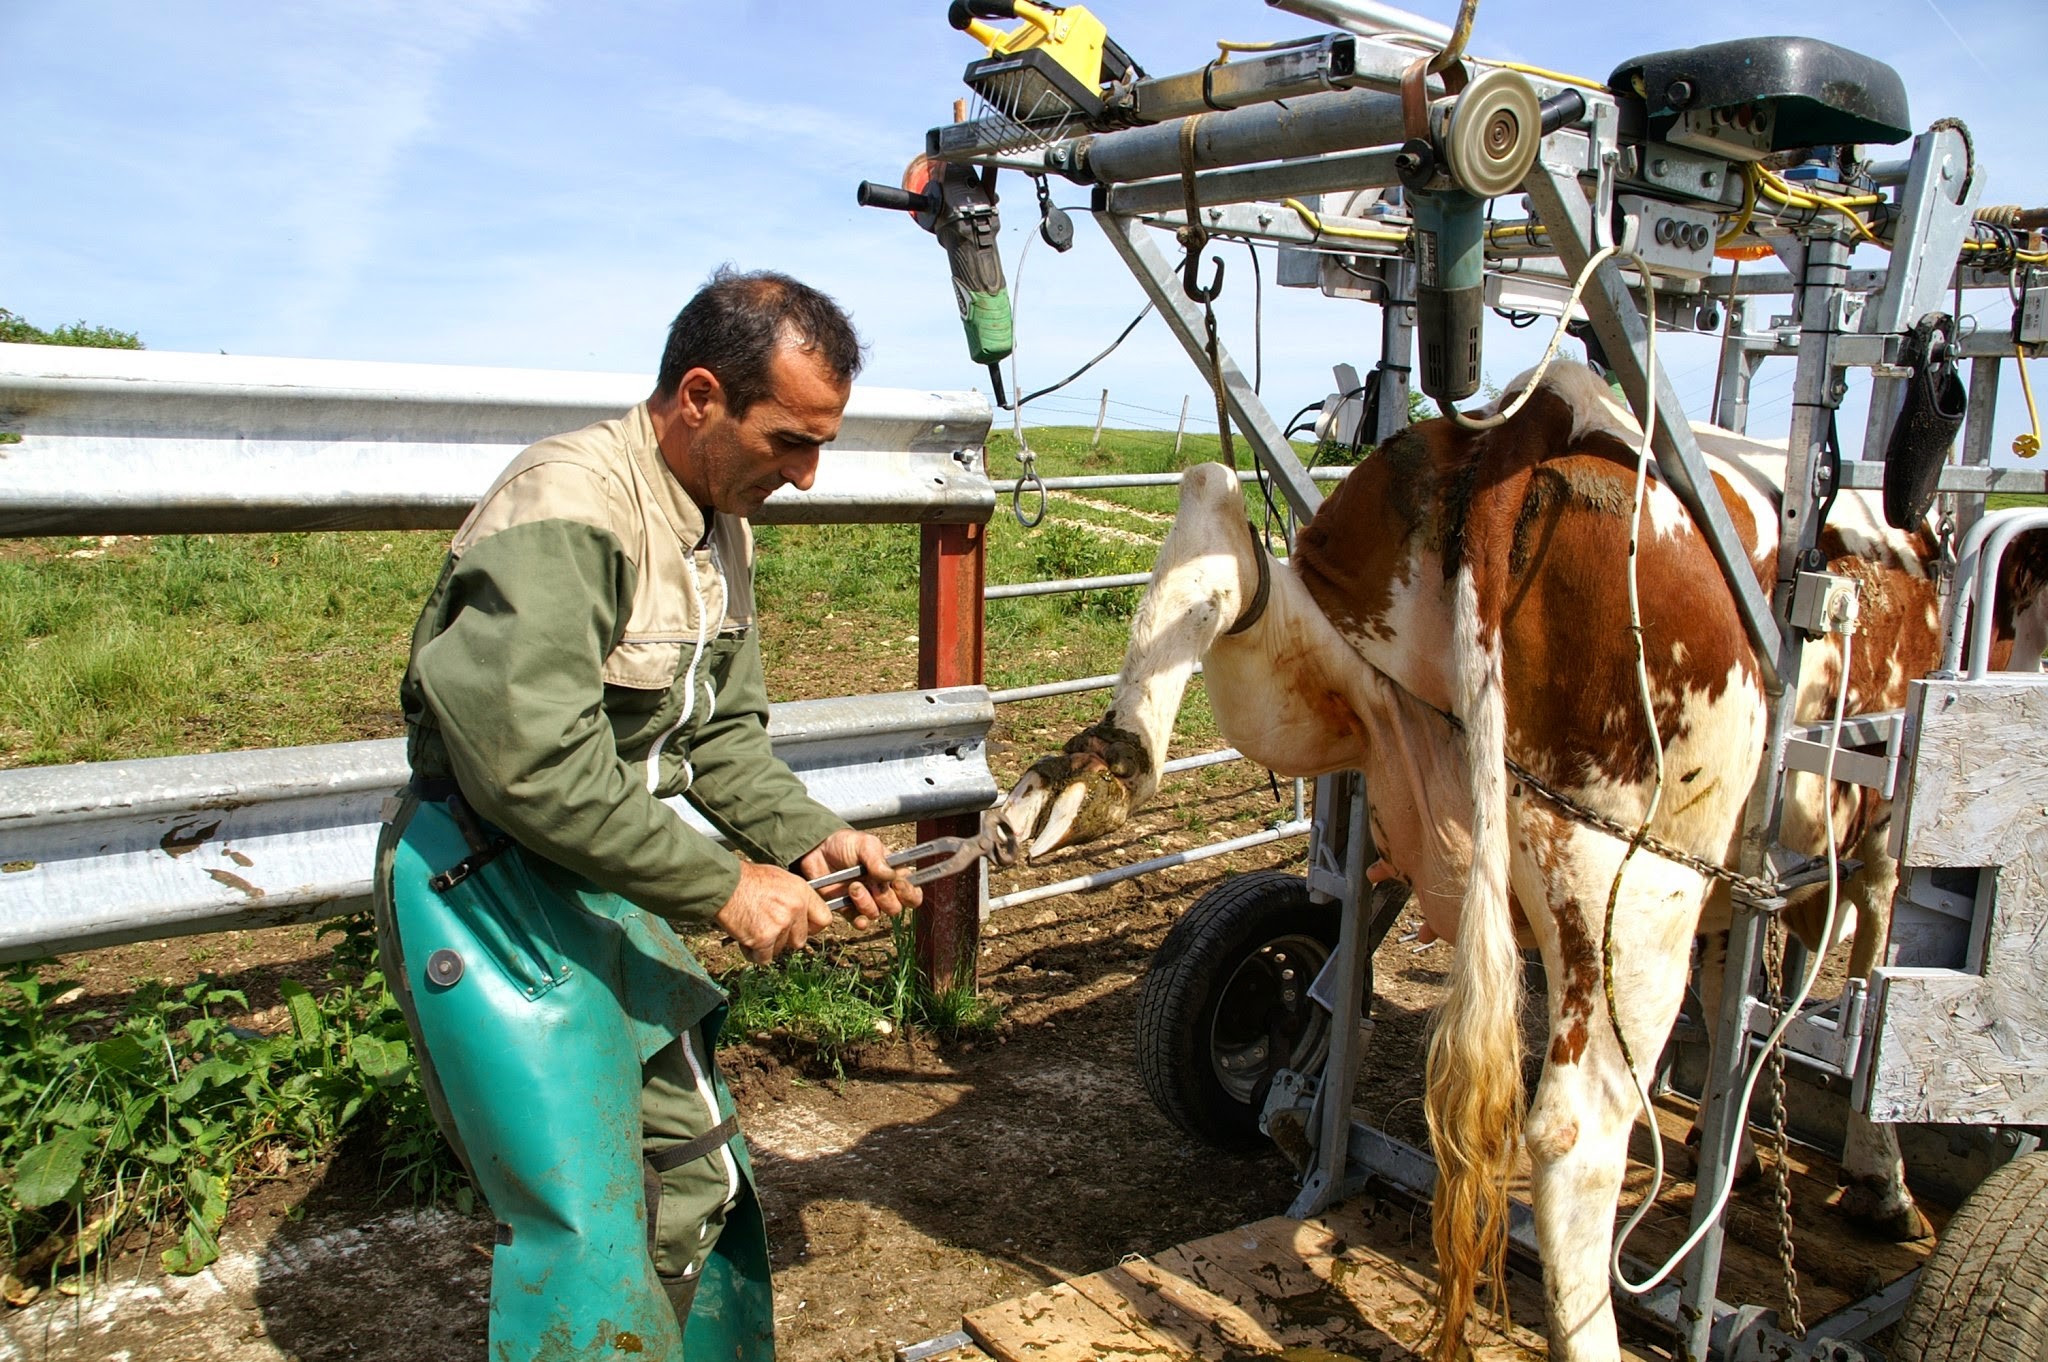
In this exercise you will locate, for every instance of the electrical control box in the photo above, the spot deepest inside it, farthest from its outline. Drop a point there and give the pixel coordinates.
(2031, 326)
(1676, 241)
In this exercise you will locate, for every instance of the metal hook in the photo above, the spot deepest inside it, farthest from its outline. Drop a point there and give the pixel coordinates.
(1191, 267)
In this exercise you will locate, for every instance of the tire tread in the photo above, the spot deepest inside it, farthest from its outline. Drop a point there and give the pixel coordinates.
(1980, 1294)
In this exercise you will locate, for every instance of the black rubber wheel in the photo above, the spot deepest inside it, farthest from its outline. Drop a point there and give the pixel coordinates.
(1225, 1005)
(1982, 1293)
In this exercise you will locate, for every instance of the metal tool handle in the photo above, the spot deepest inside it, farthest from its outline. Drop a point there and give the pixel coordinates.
(873, 195)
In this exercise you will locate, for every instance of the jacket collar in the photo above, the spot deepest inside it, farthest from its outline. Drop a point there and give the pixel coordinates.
(685, 516)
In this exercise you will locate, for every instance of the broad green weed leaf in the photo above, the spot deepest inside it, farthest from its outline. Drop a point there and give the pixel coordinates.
(306, 1020)
(380, 1060)
(49, 1173)
(205, 1074)
(122, 1054)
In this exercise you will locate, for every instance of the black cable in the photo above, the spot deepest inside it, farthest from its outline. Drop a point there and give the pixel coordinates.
(1122, 336)
(1258, 321)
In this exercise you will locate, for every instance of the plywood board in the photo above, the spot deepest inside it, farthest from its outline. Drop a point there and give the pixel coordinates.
(1950, 1046)
(1061, 1324)
(1356, 1284)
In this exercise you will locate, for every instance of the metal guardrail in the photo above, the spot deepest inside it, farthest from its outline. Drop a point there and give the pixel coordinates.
(119, 442)
(156, 442)
(120, 851)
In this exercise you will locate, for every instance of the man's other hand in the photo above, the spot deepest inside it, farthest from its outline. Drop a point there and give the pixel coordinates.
(772, 912)
(882, 892)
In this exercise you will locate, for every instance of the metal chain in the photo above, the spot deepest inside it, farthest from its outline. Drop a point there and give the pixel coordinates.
(1781, 1176)
(1945, 541)
(1754, 888)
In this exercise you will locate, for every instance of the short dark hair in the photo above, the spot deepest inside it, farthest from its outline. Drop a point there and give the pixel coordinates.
(737, 321)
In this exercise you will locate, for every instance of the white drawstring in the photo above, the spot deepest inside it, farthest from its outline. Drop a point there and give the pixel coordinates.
(690, 674)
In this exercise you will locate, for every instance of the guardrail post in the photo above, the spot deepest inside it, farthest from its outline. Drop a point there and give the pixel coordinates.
(953, 565)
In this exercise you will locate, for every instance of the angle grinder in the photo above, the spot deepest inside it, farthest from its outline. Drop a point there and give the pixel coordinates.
(958, 205)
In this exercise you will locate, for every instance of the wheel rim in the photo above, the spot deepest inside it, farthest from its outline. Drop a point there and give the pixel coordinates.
(1265, 1021)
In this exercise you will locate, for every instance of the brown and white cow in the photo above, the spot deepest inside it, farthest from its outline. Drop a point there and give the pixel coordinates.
(1458, 602)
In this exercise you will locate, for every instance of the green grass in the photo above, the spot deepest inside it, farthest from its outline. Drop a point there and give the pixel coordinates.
(152, 1115)
(832, 998)
(195, 643)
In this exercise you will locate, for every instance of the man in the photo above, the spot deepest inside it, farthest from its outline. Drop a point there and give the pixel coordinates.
(589, 650)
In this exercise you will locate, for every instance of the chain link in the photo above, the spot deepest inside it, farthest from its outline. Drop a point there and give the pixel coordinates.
(1755, 889)
(1781, 1164)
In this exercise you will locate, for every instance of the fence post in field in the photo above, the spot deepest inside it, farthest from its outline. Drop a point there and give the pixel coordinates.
(953, 571)
(1101, 413)
(1182, 428)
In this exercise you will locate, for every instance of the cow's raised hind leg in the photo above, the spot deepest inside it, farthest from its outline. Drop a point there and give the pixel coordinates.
(1275, 667)
(1585, 1105)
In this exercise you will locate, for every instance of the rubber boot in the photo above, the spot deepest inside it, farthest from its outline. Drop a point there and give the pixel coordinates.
(511, 985)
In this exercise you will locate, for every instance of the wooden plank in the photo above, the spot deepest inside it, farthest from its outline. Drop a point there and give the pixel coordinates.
(1207, 1325)
(1382, 1269)
(1060, 1324)
(1837, 1262)
(1263, 1269)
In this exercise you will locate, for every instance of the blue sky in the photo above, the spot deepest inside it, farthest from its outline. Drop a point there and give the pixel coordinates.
(536, 184)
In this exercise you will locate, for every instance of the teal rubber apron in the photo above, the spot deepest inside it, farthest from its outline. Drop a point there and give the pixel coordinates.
(535, 999)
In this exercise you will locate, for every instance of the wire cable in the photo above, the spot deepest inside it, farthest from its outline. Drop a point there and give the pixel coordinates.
(1593, 262)
(1316, 225)
(1105, 353)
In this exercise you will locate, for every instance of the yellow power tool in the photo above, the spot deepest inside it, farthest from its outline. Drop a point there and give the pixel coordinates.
(1052, 66)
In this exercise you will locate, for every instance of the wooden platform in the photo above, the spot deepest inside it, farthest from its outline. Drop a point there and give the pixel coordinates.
(1347, 1285)
(1355, 1283)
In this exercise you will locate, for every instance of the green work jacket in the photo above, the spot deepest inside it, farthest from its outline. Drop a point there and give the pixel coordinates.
(588, 651)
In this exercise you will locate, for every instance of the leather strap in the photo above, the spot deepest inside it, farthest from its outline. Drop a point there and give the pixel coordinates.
(1261, 594)
(689, 1151)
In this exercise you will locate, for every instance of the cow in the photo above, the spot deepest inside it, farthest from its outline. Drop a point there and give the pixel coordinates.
(1454, 622)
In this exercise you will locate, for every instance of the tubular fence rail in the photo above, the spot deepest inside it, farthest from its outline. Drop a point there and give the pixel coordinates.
(1297, 826)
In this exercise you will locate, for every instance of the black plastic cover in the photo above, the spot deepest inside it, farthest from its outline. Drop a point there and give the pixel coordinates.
(1826, 95)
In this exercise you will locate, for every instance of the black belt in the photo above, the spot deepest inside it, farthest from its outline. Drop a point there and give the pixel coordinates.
(435, 789)
(485, 845)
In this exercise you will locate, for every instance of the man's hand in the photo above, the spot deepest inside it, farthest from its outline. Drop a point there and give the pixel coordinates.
(771, 912)
(883, 892)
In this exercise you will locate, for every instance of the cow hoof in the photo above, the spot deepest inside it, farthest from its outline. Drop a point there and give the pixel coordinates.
(1878, 1212)
(1065, 799)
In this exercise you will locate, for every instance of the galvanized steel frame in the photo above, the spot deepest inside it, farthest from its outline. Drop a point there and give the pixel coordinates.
(1265, 153)
(152, 442)
(141, 850)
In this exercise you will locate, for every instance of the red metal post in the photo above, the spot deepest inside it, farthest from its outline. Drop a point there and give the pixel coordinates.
(953, 562)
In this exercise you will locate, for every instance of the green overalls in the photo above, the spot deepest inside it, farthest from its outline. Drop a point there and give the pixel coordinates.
(587, 652)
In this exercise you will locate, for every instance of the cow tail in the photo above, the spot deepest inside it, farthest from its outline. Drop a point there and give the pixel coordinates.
(1475, 1095)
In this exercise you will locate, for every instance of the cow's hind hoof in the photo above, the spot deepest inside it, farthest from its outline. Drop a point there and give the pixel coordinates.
(1064, 799)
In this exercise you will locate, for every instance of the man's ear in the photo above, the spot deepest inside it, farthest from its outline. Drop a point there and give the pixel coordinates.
(699, 395)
